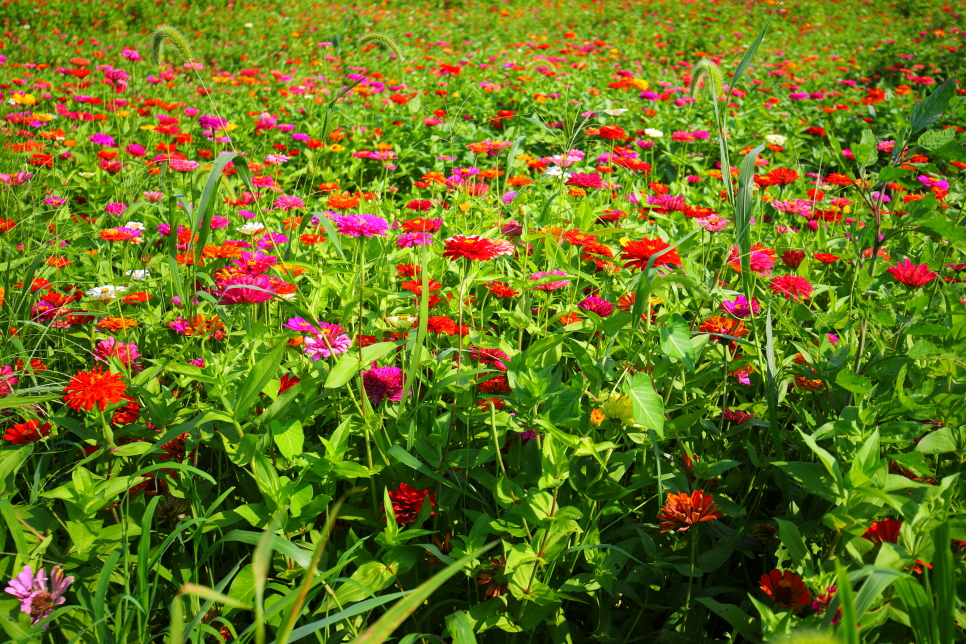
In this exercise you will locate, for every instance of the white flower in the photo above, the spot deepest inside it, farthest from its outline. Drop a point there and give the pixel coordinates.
(105, 293)
(138, 275)
(775, 139)
(615, 112)
(288, 297)
(135, 225)
(400, 321)
(86, 175)
(252, 228)
(553, 171)
(654, 134)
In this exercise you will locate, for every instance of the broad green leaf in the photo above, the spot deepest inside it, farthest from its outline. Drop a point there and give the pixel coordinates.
(289, 438)
(676, 341)
(648, 406)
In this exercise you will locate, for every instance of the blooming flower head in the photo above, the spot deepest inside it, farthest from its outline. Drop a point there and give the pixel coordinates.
(786, 589)
(683, 510)
(28, 432)
(408, 501)
(792, 287)
(361, 225)
(7, 380)
(126, 353)
(739, 308)
(408, 240)
(327, 340)
(597, 305)
(245, 289)
(94, 388)
(36, 599)
(761, 260)
(910, 274)
(383, 383)
(472, 247)
(549, 286)
(639, 252)
(105, 293)
(793, 258)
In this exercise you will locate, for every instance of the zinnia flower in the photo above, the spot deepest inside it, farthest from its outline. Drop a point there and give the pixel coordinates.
(383, 383)
(35, 598)
(786, 589)
(761, 260)
(245, 289)
(597, 305)
(407, 502)
(328, 340)
(792, 287)
(93, 388)
(683, 510)
(793, 258)
(127, 354)
(911, 274)
(7, 380)
(639, 252)
(361, 225)
(28, 432)
(549, 286)
(471, 247)
(739, 308)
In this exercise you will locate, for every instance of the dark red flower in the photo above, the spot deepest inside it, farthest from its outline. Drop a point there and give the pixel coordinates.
(786, 589)
(407, 502)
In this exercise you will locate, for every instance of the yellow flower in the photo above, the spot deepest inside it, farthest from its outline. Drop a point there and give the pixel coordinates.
(335, 147)
(623, 241)
(597, 417)
(123, 113)
(43, 117)
(149, 128)
(639, 84)
(22, 98)
(619, 407)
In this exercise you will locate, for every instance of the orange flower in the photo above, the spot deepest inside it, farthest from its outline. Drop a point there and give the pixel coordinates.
(723, 326)
(342, 201)
(684, 510)
(94, 388)
(116, 324)
(805, 384)
(786, 589)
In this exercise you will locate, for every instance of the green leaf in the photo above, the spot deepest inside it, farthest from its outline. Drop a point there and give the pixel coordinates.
(395, 616)
(277, 543)
(460, 629)
(676, 341)
(211, 595)
(648, 406)
(350, 364)
(935, 139)
(289, 439)
(928, 111)
(261, 373)
(739, 620)
(940, 441)
(858, 385)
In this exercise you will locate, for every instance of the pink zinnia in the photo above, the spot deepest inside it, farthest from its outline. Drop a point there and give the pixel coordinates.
(255, 263)
(792, 287)
(549, 286)
(288, 202)
(328, 340)
(739, 308)
(361, 225)
(7, 380)
(383, 383)
(238, 289)
(597, 305)
(35, 598)
(126, 353)
(911, 274)
(115, 208)
(183, 165)
(581, 180)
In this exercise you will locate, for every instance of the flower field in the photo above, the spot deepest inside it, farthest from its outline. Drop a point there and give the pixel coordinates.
(465, 322)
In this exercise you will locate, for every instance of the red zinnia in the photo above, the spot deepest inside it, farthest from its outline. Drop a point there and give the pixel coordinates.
(641, 251)
(827, 258)
(793, 258)
(28, 432)
(684, 510)
(911, 274)
(885, 531)
(94, 388)
(792, 287)
(786, 589)
(408, 501)
(472, 247)
(611, 132)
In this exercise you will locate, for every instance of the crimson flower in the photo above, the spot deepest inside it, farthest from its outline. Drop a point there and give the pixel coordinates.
(407, 502)
(28, 432)
(910, 274)
(786, 589)
(639, 252)
(471, 247)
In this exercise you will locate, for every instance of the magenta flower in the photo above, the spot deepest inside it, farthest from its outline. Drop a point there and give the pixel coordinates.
(287, 202)
(126, 353)
(408, 240)
(7, 380)
(270, 240)
(115, 208)
(361, 225)
(383, 383)
(245, 289)
(597, 305)
(103, 139)
(35, 599)
(255, 263)
(326, 341)
(739, 308)
(549, 286)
